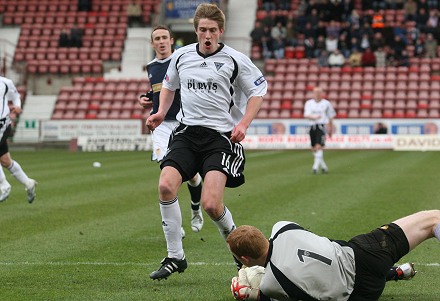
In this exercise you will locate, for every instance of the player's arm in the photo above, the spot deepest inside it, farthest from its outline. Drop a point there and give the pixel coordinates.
(252, 108)
(165, 101)
(14, 97)
(330, 127)
(146, 99)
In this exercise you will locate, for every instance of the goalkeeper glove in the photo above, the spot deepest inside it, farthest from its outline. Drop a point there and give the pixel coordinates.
(242, 290)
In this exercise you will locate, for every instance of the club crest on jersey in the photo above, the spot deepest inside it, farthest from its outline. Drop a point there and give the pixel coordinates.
(207, 86)
(203, 65)
(259, 81)
(218, 65)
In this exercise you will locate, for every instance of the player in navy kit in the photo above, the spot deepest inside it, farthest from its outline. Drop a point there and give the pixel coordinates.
(211, 77)
(162, 41)
(300, 265)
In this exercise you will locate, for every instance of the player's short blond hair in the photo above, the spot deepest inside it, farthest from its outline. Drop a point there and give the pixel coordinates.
(211, 12)
(247, 241)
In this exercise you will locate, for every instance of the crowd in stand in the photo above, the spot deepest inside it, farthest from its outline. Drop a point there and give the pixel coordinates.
(337, 34)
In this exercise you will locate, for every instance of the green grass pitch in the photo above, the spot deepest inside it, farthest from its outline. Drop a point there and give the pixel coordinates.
(95, 233)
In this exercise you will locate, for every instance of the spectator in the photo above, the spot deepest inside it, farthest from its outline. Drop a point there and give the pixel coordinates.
(432, 23)
(344, 45)
(379, 4)
(365, 41)
(308, 31)
(380, 128)
(398, 45)
(355, 58)
(76, 34)
(378, 22)
(84, 5)
(336, 59)
(347, 9)
(410, 8)
(331, 43)
(368, 58)
(422, 4)
(333, 29)
(134, 13)
(269, 5)
(430, 46)
(309, 45)
(381, 57)
(266, 44)
(291, 34)
(422, 18)
(257, 33)
(377, 41)
(278, 31)
(319, 46)
(278, 47)
(354, 19)
(403, 59)
(419, 48)
(323, 59)
(64, 39)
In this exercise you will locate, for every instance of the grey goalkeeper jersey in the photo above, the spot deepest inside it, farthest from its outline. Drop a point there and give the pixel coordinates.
(304, 266)
(214, 88)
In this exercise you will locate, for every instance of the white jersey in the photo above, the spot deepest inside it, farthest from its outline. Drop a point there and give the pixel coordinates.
(209, 83)
(322, 108)
(303, 265)
(8, 92)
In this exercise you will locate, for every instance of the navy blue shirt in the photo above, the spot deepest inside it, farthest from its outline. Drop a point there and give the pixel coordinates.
(156, 70)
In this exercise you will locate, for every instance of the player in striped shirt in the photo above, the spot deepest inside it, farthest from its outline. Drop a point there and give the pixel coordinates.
(209, 75)
(320, 112)
(8, 92)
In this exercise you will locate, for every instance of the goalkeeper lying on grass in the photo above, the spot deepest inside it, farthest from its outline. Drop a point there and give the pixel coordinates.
(300, 265)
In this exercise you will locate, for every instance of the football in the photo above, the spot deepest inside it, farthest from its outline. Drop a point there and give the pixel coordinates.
(254, 275)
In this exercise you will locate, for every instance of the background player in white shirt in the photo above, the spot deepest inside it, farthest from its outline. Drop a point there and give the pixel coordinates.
(8, 92)
(162, 41)
(320, 112)
(209, 75)
(300, 265)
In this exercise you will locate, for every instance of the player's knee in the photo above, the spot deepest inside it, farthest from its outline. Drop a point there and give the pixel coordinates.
(211, 209)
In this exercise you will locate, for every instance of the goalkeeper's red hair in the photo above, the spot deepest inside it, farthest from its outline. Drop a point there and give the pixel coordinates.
(248, 241)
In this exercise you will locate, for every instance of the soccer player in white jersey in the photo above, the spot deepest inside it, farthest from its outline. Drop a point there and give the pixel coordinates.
(320, 112)
(8, 92)
(300, 265)
(207, 141)
(162, 41)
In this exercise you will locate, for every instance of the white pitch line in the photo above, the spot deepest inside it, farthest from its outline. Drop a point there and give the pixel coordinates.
(54, 263)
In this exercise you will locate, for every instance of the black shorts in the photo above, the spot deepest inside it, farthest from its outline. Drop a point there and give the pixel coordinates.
(196, 149)
(317, 134)
(375, 253)
(4, 141)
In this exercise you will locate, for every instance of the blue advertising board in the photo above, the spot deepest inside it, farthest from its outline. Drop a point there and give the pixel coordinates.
(183, 9)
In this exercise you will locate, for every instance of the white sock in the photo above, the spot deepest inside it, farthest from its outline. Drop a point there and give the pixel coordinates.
(18, 173)
(320, 154)
(3, 181)
(225, 223)
(171, 223)
(437, 231)
(315, 161)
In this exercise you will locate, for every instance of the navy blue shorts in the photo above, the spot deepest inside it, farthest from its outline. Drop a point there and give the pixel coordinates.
(317, 134)
(375, 253)
(196, 149)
